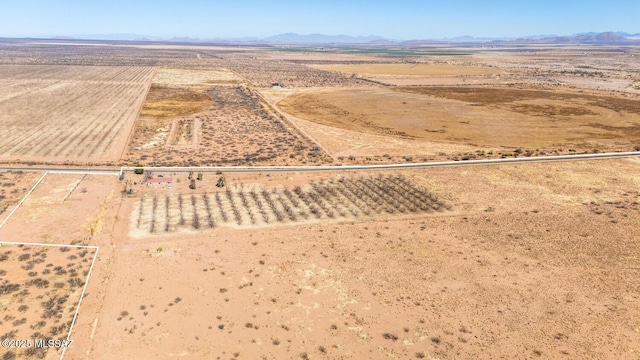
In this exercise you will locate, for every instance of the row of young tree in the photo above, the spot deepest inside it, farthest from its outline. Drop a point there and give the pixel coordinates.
(332, 199)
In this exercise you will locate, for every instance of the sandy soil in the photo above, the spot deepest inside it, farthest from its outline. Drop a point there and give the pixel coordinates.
(174, 94)
(13, 186)
(528, 261)
(39, 295)
(412, 80)
(548, 271)
(351, 146)
(64, 209)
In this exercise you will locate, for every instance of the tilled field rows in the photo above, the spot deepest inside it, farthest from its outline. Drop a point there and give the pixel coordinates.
(256, 206)
(69, 112)
(76, 73)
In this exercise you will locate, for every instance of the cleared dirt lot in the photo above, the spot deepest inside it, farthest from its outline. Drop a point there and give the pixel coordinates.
(67, 113)
(491, 119)
(65, 209)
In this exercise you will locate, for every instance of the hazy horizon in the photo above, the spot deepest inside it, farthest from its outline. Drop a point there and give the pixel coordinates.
(400, 20)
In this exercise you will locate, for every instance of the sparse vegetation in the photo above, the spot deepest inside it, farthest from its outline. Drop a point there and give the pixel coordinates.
(32, 300)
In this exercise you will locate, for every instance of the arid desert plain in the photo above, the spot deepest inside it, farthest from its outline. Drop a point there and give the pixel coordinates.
(174, 201)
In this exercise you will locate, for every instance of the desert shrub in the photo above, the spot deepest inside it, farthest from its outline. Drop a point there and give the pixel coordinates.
(8, 288)
(390, 336)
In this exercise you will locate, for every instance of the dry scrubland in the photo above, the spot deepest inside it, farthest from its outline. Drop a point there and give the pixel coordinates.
(40, 288)
(412, 69)
(532, 100)
(214, 121)
(68, 112)
(13, 186)
(547, 271)
(535, 260)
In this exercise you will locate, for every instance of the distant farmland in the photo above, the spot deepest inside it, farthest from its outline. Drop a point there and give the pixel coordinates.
(69, 112)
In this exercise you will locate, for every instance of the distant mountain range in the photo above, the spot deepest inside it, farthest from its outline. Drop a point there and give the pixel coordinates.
(605, 38)
(321, 39)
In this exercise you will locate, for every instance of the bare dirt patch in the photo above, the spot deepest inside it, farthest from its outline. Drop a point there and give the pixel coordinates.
(174, 93)
(184, 132)
(493, 96)
(65, 209)
(420, 73)
(163, 106)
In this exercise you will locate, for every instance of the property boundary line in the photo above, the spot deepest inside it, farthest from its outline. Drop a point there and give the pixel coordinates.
(43, 244)
(86, 283)
(84, 289)
(23, 199)
(95, 257)
(70, 172)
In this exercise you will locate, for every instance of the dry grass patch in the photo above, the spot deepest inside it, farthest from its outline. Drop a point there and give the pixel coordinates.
(489, 118)
(165, 102)
(189, 77)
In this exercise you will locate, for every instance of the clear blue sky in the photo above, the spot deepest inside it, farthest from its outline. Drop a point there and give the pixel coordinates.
(397, 19)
